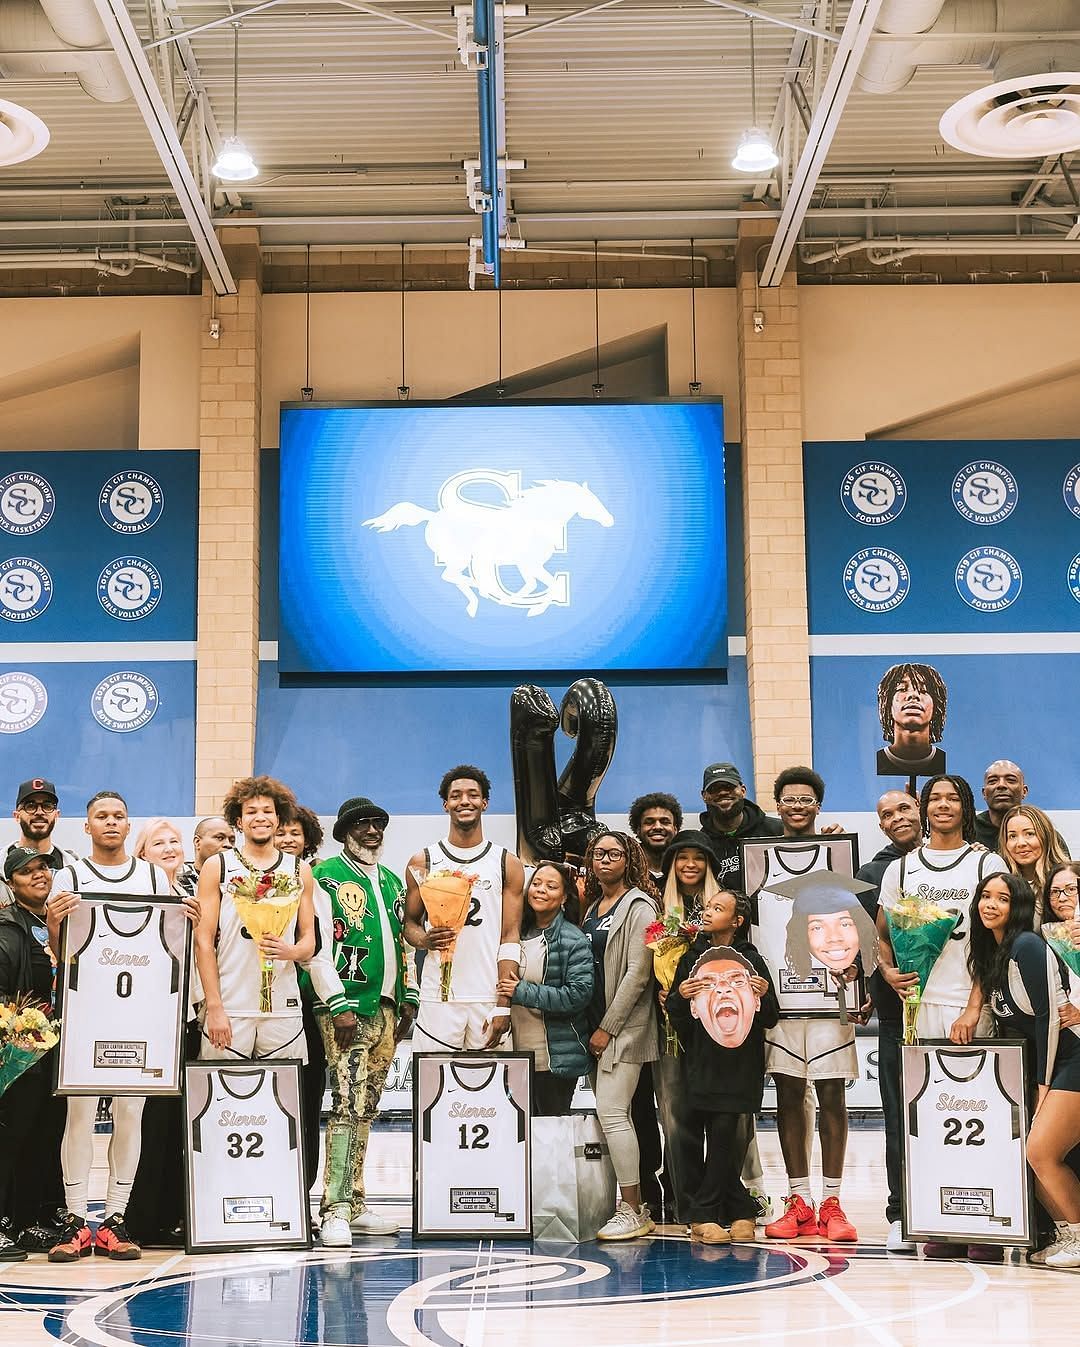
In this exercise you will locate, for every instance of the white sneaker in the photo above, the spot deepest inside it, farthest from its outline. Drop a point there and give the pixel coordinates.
(371, 1223)
(764, 1205)
(626, 1223)
(335, 1232)
(895, 1241)
(1065, 1252)
(1038, 1256)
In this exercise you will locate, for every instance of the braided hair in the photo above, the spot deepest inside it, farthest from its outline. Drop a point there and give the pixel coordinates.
(926, 679)
(637, 867)
(967, 803)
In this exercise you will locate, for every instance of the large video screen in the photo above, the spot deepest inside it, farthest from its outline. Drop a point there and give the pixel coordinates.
(463, 538)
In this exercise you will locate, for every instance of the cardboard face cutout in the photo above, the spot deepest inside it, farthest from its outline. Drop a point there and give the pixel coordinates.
(726, 1008)
(833, 938)
(911, 706)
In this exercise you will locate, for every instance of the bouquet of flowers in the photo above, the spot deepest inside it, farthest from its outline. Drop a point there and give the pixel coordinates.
(266, 902)
(918, 930)
(1057, 935)
(446, 894)
(669, 939)
(26, 1034)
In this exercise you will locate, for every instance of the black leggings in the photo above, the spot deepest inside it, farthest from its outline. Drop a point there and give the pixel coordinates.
(712, 1148)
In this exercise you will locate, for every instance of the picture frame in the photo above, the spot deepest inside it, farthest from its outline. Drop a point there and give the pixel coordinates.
(244, 1156)
(472, 1145)
(965, 1174)
(125, 964)
(814, 995)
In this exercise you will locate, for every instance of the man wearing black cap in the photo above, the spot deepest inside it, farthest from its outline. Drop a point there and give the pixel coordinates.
(367, 906)
(729, 817)
(36, 811)
(31, 1119)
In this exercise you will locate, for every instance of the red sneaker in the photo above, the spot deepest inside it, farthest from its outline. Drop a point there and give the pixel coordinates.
(73, 1241)
(113, 1240)
(833, 1224)
(797, 1222)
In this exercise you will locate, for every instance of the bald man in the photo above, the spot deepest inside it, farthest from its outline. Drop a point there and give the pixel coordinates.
(1003, 789)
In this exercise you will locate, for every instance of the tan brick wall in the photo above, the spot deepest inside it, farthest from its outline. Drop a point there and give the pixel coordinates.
(777, 643)
(228, 631)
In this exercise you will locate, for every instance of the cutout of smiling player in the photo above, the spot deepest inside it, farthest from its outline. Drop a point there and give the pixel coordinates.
(912, 700)
(831, 927)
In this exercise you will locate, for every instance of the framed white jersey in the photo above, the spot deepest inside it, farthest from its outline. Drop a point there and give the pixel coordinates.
(123, 999)
(245, 1166)
(810, 992)
(472, 1117)
(966, 1177)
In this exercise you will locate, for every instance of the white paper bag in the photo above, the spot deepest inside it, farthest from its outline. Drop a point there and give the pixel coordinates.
(573, 1182)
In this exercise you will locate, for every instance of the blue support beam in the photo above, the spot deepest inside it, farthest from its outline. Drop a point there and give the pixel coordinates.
(488, 80)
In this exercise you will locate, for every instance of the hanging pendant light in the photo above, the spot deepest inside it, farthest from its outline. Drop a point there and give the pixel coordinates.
(755, 153)
(234, 162)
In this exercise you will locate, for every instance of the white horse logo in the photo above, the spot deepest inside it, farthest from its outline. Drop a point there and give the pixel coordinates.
(472, 540)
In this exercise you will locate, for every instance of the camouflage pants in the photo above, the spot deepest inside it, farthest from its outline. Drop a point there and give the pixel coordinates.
(356, 1080)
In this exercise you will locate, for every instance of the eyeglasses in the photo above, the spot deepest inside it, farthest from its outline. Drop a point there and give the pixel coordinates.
(798, 800)
(37, 807)
(608, 854)
(1066, 891)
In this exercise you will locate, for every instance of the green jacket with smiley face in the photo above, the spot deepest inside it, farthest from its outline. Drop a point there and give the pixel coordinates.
(361, 948)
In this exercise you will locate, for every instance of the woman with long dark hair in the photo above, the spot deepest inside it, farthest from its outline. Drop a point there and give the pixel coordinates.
(1024, 981)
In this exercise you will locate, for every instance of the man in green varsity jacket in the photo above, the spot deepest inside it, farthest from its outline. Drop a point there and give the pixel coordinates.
(367, 903)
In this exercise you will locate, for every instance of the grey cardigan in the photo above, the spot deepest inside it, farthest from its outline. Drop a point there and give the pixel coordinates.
(630, 1007)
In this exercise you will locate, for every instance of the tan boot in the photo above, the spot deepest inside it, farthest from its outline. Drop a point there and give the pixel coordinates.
(743, 1230)
(708, 1232)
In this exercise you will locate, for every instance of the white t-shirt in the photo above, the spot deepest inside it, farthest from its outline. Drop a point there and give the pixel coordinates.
(947, 878)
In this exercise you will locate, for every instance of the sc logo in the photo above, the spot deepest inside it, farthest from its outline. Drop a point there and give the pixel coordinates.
(873, 493)
(876, 580)
(985, 492)
(988, 579)
(131, 502)
(27, 503)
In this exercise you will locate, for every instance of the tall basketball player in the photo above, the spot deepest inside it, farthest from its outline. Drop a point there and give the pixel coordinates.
(488, 947)
(108, 869)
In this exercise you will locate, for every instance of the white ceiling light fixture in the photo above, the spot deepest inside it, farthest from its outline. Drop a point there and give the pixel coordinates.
(755, 153)
(234, 162)
(22, 135)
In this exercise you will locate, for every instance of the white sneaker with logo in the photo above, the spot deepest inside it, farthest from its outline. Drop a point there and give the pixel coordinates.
(895, 1241)
(626, 1223)
(371, 1223)
(1038, 1256)
(335, 1232)
(1066, 1251)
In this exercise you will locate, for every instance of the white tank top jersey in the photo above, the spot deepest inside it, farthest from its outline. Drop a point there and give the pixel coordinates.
(770, 935)
(962, 1124)
(476, 955)
(134, 877)
(238, 958)
(118, 980)
(242, 1182)
(477, 1135)
(947, 878)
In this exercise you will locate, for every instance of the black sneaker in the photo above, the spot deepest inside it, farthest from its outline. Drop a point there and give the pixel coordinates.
(9, 1250)
(39, 1237)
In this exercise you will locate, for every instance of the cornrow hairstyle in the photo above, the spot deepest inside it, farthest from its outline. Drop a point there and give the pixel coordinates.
(743, 909)
(924, 677)
(252, 788)
(967, 801)
(656, 799)
(637, 867)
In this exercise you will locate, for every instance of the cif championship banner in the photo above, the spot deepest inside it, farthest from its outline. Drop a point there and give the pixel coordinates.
(963, 557)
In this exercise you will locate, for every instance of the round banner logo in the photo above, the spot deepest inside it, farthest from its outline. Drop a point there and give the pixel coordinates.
(124, 702)
(876, 580)
(873, 493)
(27, 502)
(23, 700)
(1070, 489)
(1073, 577)
(129, 588)
(131, 502)
(985, 492)
(26, 589)
(988, 579)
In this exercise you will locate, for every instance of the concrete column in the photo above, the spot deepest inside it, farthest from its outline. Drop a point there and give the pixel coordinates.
(228, 625)
(770, 386)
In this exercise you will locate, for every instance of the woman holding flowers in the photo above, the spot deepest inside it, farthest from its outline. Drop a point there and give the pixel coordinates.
(252, 1000)
(1023, 981)
(620, 904)
(548, 1002)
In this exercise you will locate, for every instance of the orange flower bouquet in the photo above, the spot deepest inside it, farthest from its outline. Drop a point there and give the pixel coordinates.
(267, 903)
(446, 895)
(669, 938)
(26, 1034)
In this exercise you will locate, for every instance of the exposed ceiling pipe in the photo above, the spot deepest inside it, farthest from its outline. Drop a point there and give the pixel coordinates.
(108, 261)
(52, 37)
(883, 251)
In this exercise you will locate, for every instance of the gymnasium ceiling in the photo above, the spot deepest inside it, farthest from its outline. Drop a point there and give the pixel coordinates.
(622, 115)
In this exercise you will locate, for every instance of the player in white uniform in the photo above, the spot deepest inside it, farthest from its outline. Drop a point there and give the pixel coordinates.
(108, 869)
(946, 872)
(229, 961)
(488, 947)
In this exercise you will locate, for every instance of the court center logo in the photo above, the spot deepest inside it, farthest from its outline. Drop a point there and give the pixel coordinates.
(131, 502)
(1070, 489)
(474, 542)
(988, 579)
(876, 580)
(985, 492)
(129, 588)
(23, 700)
(873, 493)
(26, 589)
(124, 702)
(1073, 577)
(27, 502)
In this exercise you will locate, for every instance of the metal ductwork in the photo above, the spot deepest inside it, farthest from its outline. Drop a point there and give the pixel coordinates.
(57, 37)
